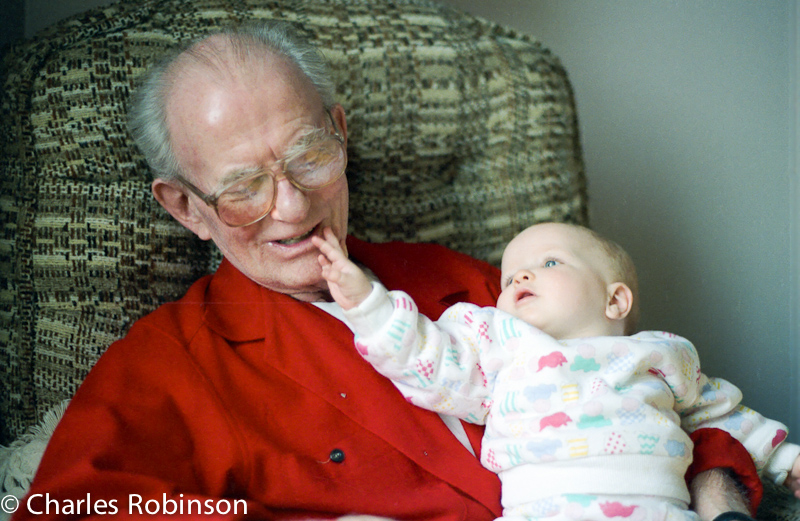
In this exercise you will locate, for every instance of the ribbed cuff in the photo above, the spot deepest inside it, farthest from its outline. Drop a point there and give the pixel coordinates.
(369, 317)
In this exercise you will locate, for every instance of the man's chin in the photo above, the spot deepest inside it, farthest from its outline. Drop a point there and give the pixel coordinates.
(301, 280)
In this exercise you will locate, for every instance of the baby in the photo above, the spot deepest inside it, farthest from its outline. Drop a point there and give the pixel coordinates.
(582, 420)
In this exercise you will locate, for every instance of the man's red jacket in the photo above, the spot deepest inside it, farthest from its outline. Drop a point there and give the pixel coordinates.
(238, 392)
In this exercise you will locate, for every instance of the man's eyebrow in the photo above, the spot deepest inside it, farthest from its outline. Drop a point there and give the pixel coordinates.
(306, 137)
(239, 174)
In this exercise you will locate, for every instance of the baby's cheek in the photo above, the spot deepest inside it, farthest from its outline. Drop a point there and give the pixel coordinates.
(503, 302)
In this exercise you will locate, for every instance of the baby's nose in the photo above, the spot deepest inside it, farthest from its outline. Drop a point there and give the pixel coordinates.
(522, 276)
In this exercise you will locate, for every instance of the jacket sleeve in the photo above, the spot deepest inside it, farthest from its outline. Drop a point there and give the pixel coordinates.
(143, 434)
(715, 449)
(436, 365)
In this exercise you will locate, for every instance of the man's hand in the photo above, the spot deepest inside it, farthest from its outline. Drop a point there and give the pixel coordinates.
(793, 479)
(348, 284)
(715, 492)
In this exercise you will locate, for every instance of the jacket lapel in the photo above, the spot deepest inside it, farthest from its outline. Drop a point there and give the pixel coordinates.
(232, 303)
(305, 343)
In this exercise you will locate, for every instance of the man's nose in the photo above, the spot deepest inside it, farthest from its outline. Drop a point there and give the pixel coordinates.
(291, 203)
(522, 276)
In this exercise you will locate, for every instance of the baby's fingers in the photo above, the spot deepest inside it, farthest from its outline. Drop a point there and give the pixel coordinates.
(328, 251)
(333, 241)
(329, 246)
(329, 270)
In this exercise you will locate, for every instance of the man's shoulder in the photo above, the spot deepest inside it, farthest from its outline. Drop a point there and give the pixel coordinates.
(156, 345)
(178, 319)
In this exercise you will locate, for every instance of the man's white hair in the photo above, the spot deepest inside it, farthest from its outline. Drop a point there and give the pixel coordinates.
(147, 118)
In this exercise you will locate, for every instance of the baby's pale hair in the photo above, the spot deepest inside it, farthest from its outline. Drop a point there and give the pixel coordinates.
(622, 269)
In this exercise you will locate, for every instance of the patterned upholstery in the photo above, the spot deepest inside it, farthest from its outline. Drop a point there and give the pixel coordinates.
(461, 132)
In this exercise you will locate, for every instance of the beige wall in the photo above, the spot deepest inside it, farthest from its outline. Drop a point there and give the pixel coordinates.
(689, 116)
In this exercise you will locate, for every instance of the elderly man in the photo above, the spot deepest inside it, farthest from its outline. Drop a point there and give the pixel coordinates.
(246, 398)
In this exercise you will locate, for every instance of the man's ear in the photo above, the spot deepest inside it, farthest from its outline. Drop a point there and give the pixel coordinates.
(620, 301)
(337, 111)
(177, 203)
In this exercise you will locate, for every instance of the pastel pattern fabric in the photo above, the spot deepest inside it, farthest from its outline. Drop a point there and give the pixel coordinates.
(604, 415)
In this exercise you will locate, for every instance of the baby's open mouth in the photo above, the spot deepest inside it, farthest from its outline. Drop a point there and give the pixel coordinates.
(522, 295)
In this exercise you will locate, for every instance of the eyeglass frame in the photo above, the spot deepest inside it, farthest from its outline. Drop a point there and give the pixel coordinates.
(212, 199)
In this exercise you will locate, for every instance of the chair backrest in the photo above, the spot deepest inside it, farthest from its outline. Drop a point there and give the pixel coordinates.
(460, 132)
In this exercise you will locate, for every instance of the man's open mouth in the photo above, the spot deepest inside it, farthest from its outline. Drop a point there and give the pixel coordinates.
(295, 240)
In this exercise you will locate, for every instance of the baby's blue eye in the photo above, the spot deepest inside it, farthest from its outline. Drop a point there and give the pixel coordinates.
(550, 263)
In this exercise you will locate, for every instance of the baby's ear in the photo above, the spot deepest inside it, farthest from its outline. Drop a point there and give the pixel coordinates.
(620, 301)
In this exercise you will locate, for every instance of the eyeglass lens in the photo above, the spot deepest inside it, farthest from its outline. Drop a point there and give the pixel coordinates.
(250, 199)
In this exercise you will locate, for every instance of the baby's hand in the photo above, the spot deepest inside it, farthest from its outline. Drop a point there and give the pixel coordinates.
(348, 284)
(793, 480)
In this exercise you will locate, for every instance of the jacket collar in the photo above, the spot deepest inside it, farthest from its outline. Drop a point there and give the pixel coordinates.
(234, 305)
(436, 280)
(233, 301)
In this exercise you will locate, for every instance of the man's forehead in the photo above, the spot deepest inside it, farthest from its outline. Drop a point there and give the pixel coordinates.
(204, 75)
(214, 59)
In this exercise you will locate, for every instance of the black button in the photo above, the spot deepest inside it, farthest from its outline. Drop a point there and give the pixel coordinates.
(337, 455)
(733, 516)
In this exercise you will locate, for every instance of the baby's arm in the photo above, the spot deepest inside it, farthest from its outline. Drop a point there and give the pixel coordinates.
(704, 402)
(719, 406)
(403, 345)
(347, 282)
(436, 365)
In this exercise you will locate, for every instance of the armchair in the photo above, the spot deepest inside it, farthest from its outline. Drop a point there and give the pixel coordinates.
(461, 132)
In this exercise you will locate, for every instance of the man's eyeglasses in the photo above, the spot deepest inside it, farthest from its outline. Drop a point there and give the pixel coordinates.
(317, 160)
